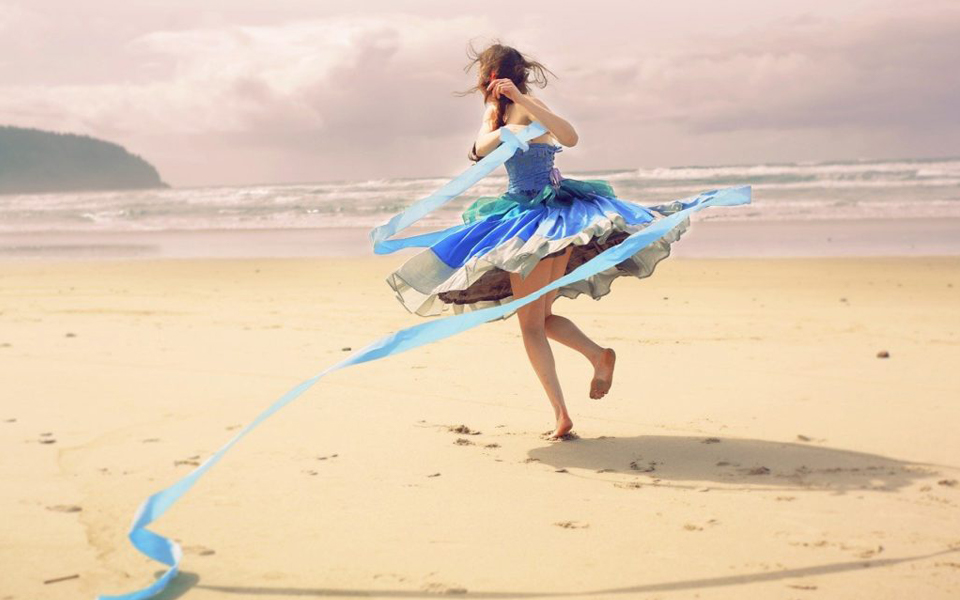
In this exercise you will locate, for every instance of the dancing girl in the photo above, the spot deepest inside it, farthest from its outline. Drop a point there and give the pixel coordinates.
(543, 226)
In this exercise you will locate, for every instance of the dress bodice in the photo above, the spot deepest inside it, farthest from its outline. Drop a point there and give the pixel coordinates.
(530, 171)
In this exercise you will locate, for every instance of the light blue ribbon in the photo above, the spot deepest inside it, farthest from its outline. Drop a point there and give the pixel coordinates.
(168, 552)
(511, 142)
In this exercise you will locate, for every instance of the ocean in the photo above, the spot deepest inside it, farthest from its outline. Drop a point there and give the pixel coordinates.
(839, 193)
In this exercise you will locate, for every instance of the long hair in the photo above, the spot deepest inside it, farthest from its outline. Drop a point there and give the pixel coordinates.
(498, 61)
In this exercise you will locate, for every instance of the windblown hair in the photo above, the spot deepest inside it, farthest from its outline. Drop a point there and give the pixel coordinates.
(498, 61)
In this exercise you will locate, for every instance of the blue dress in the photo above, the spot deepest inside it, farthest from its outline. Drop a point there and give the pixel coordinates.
(539, 215)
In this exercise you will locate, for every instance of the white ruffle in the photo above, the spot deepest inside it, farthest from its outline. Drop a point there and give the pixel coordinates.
(420, 280)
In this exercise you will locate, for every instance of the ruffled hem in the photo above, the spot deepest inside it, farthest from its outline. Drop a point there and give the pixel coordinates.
(443, 289)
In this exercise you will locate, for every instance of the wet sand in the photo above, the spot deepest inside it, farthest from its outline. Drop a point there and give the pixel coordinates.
(755, 444)
(713, 239)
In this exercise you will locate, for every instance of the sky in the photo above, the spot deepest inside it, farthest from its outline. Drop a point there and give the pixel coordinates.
(239, 92)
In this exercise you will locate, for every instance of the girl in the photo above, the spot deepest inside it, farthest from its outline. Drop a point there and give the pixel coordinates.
(541, 228)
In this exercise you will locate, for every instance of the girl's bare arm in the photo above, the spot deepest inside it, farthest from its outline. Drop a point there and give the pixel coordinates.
(561, 129)
(488, 138)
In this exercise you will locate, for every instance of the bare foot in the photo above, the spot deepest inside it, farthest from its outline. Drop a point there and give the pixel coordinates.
(603, 374)
(564, 425)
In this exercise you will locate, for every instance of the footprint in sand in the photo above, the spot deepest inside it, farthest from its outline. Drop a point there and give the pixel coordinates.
(571, 525)
(567, 437)
(649, 468)
(693, 527)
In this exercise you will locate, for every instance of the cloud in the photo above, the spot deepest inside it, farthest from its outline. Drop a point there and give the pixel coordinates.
(890, 72)
(326, 75)
(370, 95)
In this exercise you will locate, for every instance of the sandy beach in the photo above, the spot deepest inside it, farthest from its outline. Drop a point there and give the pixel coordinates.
(754, 445)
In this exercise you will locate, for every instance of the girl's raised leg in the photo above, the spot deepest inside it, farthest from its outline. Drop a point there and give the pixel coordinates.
(567, 333)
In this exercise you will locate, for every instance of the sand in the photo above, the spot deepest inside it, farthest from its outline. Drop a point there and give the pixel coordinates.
(754, 445)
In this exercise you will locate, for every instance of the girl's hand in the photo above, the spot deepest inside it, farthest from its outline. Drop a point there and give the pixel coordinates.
(505, 87)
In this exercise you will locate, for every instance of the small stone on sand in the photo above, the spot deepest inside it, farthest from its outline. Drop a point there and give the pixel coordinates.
(54, 580)
(883, 354)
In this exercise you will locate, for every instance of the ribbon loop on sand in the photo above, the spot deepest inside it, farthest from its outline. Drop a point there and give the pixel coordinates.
(168, 552)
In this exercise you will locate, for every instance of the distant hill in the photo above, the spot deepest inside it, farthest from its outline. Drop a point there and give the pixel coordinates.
(36, 161)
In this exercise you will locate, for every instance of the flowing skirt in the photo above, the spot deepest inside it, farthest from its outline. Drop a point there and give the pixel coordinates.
(468, 269)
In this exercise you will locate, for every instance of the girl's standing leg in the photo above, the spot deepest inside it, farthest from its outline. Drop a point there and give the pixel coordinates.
(567, 333)
(531, 319)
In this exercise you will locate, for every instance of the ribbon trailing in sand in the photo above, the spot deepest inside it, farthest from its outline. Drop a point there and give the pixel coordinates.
(168, 552)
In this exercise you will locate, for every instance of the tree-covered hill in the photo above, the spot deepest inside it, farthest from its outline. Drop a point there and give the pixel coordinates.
(32, 161)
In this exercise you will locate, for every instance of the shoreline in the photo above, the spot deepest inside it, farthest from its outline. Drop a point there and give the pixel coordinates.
(706, 238)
